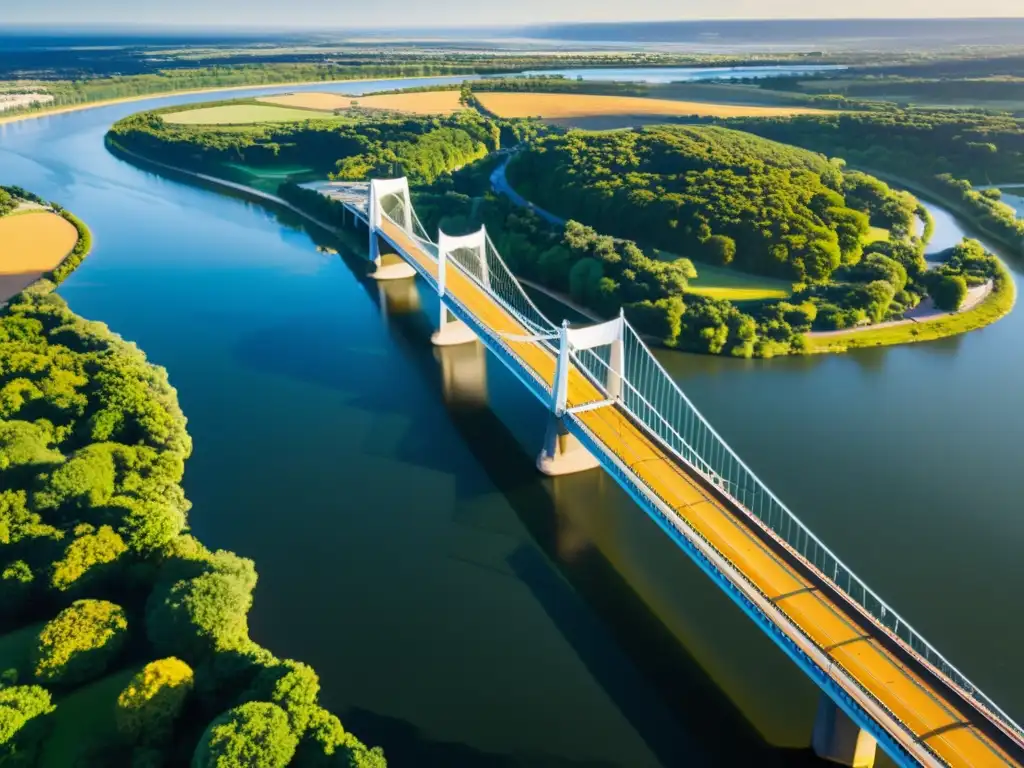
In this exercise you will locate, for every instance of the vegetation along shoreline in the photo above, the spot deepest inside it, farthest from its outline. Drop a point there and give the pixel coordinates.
(108, 606)
(848, 250)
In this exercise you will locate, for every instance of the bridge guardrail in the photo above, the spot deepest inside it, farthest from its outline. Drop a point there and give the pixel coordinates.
(654, 399)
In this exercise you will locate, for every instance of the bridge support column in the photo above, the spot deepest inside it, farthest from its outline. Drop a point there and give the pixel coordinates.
(451, 331)
(562, 453)
(392, 267)
(838, 739)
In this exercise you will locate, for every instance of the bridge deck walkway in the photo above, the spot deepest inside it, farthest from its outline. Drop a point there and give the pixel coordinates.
(933, 715)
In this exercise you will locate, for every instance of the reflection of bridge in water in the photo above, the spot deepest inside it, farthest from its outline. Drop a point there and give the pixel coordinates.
(612, 405)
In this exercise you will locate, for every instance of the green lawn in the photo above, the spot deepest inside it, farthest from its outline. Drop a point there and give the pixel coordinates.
(734, 285)
(84, 720)
(16, 649)
(244, 114)
(875, 235)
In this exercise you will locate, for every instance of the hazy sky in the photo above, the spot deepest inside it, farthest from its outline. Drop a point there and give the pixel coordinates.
(350, 13)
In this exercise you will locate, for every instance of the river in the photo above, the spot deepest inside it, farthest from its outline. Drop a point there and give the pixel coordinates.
(684, 74)
(461, 610)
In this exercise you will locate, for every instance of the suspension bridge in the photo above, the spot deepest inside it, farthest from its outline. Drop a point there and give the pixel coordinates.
(613, 406)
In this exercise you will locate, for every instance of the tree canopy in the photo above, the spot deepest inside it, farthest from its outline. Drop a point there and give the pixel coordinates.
(711, 194)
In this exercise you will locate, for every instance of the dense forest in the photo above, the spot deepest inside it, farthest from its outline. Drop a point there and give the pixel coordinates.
(351, 149)
(712, 194)
(604, 273)
(108, 606)
(943, 151)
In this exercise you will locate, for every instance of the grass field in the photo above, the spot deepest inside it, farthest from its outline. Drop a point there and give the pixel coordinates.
(30, 245)
(999, 303)
(724, 283)
(589, 111)
(419, 103)
(84, 720)
(875, 235)
(242, 114)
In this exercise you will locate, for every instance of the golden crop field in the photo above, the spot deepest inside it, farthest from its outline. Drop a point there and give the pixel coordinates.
(328, 102)
(586, 110)
(419, 103)
(31, 244)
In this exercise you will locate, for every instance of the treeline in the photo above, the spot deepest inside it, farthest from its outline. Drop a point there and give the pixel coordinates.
(70, 93)
(370, 146)
(715, 195)
(77, 83)
(982, 148)
(99, 580)
(940, 150)
(604, 273)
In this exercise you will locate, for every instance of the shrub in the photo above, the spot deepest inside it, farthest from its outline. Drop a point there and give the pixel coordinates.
(254, 735)
(79, 644)
(949, 292)
(148, 706)
(22, 708)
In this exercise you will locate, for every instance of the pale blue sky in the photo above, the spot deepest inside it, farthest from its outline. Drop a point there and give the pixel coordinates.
(363, 13)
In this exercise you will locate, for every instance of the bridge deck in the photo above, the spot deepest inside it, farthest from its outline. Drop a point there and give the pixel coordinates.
(932, 714)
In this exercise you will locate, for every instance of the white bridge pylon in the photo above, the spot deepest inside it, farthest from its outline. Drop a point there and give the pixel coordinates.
(389, 267)
(562, 453)
(473, 251)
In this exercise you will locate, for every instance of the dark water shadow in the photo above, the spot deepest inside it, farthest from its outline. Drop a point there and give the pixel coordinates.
(678, 710)
(406, 745)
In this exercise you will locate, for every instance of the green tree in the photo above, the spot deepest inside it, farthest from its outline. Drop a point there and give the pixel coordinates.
(87, 558)
(80, 643)
(195, 617)
(720, 249)
(948, 292)
(23, 710)
(148, 706)
(291, 685)
(254, 735)
(585, 281)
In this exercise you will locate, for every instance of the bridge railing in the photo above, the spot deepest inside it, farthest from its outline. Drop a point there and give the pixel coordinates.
(654, 399)
(652, 396)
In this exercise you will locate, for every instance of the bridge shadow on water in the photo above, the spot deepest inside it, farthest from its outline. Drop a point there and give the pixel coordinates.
(679, 711)
(657, 684)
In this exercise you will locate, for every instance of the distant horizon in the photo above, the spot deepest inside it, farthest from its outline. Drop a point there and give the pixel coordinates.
(414, 26)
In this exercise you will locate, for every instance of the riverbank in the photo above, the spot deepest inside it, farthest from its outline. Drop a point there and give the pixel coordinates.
(955, 206)
(4, 120)
(994, 306)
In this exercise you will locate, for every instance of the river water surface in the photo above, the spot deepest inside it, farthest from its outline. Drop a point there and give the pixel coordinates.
(459, 609)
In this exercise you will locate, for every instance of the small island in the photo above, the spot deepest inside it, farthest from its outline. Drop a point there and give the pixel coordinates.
(123, 640)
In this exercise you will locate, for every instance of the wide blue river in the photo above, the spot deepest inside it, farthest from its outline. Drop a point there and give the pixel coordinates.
(460, 609)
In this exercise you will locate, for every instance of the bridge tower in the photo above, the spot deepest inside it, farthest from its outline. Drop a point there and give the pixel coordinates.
(562, 453)
(394, 192)
(471, 255)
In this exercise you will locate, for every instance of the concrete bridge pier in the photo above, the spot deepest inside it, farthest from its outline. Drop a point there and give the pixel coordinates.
(840, 740)
(562, 453)
(391, 266)
(451, 331)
